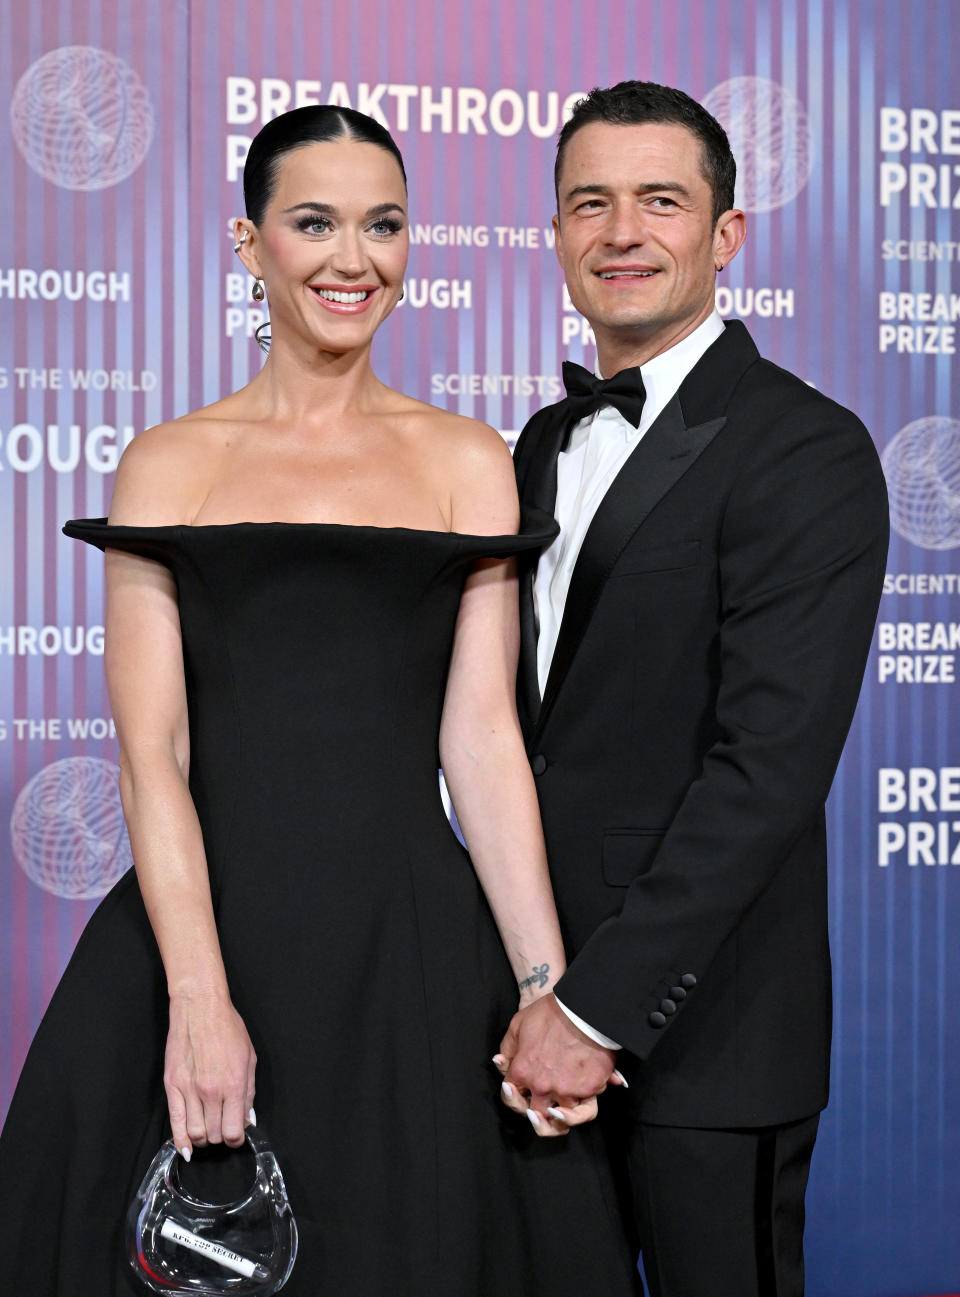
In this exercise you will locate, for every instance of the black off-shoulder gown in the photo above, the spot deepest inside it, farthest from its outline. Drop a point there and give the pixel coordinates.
(359, 950)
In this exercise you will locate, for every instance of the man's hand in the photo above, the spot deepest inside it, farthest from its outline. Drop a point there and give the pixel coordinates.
(551, 1070)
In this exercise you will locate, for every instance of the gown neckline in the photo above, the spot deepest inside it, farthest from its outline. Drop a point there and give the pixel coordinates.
(531, 520)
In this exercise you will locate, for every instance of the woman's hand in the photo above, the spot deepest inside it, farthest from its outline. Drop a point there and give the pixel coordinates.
(555, 1120)
(208, 1073)
(552, 1072)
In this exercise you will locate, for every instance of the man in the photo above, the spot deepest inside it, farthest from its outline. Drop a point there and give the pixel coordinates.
(694, 643)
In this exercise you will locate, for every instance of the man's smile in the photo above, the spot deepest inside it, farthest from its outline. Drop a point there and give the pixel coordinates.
(627, 272)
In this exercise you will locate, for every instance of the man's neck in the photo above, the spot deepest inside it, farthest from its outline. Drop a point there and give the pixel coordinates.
(619, 349)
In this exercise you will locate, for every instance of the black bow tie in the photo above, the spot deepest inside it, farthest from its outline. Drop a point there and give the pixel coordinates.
(586, 393)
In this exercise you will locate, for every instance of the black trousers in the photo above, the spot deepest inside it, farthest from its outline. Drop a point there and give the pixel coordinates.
(717, 1213)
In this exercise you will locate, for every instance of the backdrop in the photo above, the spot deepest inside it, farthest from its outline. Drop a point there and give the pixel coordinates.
(122, 149)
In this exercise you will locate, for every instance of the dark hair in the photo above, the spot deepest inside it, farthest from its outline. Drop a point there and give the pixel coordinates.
(634, 103)
(312, 124)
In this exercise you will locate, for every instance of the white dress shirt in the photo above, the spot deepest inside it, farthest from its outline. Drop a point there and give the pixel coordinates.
(598, 448)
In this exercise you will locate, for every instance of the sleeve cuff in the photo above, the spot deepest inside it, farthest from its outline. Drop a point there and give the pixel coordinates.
(587, 1030)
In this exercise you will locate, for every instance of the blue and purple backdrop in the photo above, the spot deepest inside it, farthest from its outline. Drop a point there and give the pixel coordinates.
(125, 128)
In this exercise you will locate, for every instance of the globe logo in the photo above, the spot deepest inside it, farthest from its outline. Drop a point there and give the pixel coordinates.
(770, 137)
(922, 468)
(67, 829)
(82, 118)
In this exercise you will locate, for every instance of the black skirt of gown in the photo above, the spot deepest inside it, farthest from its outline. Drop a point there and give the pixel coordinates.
(358, 946)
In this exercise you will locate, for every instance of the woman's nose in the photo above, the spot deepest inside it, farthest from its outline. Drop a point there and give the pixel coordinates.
(348, 256)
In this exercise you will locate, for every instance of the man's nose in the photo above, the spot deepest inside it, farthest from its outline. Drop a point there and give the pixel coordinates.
(626, 227)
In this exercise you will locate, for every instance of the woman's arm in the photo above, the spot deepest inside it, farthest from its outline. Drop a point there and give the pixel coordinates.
(489, 778)
(481, 748)
(209, 1068)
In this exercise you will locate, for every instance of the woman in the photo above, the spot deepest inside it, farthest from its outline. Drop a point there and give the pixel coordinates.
(308, 595)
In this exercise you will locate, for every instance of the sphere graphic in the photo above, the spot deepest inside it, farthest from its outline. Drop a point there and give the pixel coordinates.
(922, 468)
(82, 118)
(67, 828)
(770, 137)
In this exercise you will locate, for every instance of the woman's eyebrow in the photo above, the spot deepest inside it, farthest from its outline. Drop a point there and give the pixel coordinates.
(328, 209)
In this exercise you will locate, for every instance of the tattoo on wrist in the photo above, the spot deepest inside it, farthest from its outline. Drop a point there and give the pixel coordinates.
(537, 978)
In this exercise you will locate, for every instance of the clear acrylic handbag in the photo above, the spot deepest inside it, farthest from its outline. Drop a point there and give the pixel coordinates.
(177, 1243)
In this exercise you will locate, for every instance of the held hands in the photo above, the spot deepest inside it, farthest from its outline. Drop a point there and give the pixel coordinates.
(551, 1071)
(208, 1073)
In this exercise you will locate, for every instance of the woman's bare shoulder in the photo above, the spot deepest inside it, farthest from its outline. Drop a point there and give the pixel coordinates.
(456, 436)
(477, 468)
(164, 473)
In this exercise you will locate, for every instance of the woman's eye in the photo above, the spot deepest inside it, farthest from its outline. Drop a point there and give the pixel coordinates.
(385, 227)
(315, 225)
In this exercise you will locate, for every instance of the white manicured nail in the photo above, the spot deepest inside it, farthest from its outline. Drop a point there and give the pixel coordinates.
(557, 1114)
(252, 1117)
(507, 1090)
(185, 1153)
(622, 1079)
(534, 1118)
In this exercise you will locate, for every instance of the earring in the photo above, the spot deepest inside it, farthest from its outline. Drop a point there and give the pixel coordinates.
(258, 292)
(241, 241)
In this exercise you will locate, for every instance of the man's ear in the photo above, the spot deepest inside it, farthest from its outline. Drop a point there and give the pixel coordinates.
(556, 237)
(728, 236)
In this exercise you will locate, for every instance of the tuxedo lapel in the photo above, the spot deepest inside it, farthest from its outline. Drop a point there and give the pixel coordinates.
(537, 484)
(528, 683)
(661, 458)
(537, 476)
(672, 444)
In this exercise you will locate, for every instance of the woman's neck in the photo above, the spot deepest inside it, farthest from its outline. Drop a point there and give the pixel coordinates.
(299, 383)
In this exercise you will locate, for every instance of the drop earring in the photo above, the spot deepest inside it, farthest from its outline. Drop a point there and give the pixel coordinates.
(257, 292)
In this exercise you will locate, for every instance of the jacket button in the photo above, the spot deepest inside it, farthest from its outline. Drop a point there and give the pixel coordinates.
(668, 1007)
(688, 981)
(657, 1019)
(538, 764)
(677, 993)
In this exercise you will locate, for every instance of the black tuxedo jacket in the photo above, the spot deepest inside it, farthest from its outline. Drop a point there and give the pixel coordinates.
(705, 676)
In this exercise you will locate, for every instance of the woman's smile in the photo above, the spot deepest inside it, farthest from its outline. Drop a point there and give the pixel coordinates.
(345, 301)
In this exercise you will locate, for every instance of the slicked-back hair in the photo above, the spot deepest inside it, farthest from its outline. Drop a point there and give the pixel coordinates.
(638, 103)
(312, 124)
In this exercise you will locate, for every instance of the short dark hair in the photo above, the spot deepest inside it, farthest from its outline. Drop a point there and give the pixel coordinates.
(312, 124)
(634, 103)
